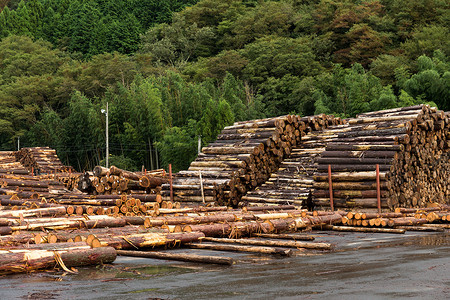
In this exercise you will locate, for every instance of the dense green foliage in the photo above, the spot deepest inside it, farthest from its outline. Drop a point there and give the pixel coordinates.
(172, 71)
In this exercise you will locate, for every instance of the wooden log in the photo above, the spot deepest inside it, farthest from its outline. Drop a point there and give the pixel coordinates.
(349, 193)
(406, 221)
(100, 171)
(295, 237)
(353, 168)
(365, 185)
(351, 160)
(20, 261)
(286, 244)
(225, 229)
(363, 229)
(421, 228)
(147, 240)
(151, 182)
(113, 170)
(360, 154)
(208, 259)
(236, 248)
(39, 212)
(360, 147)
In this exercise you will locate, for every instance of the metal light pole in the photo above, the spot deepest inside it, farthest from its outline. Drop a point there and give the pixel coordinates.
(107, 134)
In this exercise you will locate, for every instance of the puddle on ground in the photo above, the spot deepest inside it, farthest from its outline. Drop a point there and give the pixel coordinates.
(148, 271)
(381, 265)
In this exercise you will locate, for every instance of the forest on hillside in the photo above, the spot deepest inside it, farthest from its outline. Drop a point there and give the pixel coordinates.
(173, 70)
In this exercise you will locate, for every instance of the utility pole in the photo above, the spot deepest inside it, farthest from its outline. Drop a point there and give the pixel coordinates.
(107, 134)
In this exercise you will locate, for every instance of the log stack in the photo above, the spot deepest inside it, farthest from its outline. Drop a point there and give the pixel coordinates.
(40, 160)
(242, 158)
(292, 182)
(115, 181)
(408, 144)
(8, 164)
(45, 184)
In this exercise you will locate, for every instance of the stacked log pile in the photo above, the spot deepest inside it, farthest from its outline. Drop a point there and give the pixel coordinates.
(8, 164)
(408, 145)
(293, 181)
(243, 157)
(36, 231)
(409, 149)
(401, 218)
(87, 205)
(40, 160)
(115, 181)
(45, 184)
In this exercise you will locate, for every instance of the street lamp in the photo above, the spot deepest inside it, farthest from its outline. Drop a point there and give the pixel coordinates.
(107, 135)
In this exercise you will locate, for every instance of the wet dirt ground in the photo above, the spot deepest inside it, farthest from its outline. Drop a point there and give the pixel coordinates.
(415, 265)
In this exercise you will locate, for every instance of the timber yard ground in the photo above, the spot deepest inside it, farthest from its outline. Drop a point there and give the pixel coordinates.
(414, 265)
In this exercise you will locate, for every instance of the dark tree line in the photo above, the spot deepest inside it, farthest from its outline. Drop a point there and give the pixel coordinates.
(172, 71)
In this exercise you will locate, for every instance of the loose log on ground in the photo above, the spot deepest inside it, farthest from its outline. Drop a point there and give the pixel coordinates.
(287, 244)
(236, 248)
(363, 229)
(207, 259)
(19, 261)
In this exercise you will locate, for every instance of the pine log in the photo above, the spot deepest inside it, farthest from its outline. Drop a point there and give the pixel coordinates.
(208, 259)
(363, 229)
(19, 261)
(286, 244)
(236, 248)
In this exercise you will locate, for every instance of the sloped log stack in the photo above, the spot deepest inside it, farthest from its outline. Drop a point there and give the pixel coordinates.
(8, 164)
(408, 145)
(242, 157)
(292, 182)
(40, 159)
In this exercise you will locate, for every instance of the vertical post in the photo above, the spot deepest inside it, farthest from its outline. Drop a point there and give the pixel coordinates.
(18, 143)
(330, 185)
(378, 189)
(157, 158)
(201, 187)
(171, 183)
(107, 136)
(199, 144)
(151, 154)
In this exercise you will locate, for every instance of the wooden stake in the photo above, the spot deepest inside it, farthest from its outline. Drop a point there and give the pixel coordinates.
(330, 184)
(378, 189)
(171, 182)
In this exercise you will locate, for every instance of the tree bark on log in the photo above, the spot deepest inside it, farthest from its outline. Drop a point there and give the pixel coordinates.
(286, 244)
(207, 259)
(20, 261)
(236, 248)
